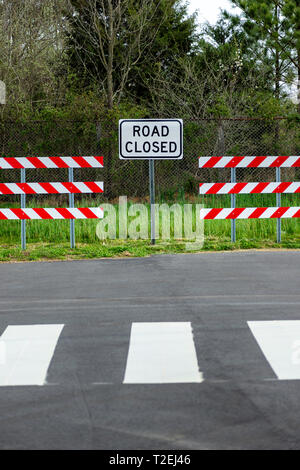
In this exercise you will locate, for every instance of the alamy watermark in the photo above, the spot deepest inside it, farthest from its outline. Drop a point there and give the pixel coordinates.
(176, 221)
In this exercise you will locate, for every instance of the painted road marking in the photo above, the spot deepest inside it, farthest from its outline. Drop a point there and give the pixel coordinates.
(280, 343)
(162, 353)
(26, 353)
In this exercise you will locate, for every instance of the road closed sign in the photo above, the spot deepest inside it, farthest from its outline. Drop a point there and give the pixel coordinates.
(157, 139)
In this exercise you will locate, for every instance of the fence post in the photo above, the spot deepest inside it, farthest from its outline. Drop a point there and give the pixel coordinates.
(23, 205)
(71, 204)
(233, 204)
(278, 204)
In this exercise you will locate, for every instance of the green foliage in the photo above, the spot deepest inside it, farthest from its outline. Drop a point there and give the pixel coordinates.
(227, 70)
(219, 109)
(168, 35)
(277, 25)
(266, 106)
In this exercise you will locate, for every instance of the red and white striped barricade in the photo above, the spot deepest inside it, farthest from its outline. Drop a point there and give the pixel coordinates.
(249, 162)
(87, 187)
(251, 213)
(70, 187)
(51, 213)
(235, 188)
(248, 188)
(9, 163)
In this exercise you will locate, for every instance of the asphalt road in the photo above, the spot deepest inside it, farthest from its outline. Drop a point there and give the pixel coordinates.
(85, 404)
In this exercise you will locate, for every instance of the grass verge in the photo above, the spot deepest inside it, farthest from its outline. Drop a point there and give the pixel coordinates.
(49, 240)
(131, 248)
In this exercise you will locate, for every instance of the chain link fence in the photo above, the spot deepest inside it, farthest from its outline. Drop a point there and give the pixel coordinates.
(241, 136)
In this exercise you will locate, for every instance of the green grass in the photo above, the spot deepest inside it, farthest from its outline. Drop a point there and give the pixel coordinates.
(254, 229)
(129, 248)
(49, 240)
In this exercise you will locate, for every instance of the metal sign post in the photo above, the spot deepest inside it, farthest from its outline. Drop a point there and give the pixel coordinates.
(23, 206)
(151, 139)
(278, 204)
(152, 200)
(71, 204)
(233, 205)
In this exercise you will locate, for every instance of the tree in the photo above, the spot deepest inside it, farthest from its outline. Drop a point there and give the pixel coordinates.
(31, 44)
(117, 43)
(227, 75)
(176, 39)
(278, 23)
(254, 46)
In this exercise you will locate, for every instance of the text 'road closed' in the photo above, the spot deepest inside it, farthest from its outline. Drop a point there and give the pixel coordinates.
(150, 139)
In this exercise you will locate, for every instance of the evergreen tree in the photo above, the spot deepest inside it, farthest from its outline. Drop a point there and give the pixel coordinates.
(118, 44)
(278, 23)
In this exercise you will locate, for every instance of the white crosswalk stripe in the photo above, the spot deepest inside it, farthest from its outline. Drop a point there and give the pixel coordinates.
(280, 343)
(26, 352)
(158, 353)
(162, 353)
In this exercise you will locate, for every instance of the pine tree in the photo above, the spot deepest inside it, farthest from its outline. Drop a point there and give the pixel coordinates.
(278, 23)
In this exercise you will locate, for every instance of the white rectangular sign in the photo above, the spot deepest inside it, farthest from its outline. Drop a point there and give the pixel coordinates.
(147, 139)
